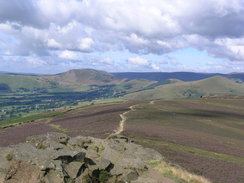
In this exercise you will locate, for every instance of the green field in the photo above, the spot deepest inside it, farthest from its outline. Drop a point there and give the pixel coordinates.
(29, 118)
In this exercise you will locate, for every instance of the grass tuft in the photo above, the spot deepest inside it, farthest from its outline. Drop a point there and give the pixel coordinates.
(176, 173)
(9, 156)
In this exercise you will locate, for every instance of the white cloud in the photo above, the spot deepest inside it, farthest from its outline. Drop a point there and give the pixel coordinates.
(107, 61)
(35, 62)
(6, 27)
(41, 27)
(135, 39)
(7, 52)
(163, 44)
(66, 28)
(68, 55)
(138, 61)
(52, 43)
(85, 44)
(234, 47)
(155, 67)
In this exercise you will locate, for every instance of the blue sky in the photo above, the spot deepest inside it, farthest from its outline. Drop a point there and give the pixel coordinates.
(52, 36)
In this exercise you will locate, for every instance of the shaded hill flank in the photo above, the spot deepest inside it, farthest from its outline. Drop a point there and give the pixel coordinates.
(184, 76)
(211, 86)
(73, 80)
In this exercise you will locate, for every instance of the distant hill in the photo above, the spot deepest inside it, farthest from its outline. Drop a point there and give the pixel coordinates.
(73, 80)
(172, 85)
(134, 85)
(70, 79)
(84, 77)
(211, 86)
(29, 82)
(184, 76)
(236, 76)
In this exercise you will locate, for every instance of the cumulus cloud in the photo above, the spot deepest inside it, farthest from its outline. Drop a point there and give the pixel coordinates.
(107, 60)
(21, 11)
(36, 62)
(155, 67)
(85, 44)
(68, 55)
(138, 61)
(41, 27)
(52, 43)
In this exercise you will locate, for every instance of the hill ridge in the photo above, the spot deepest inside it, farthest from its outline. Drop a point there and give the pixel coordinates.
(192, 89)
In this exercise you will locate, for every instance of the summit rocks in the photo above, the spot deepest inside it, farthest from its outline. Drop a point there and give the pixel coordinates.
(55, 157)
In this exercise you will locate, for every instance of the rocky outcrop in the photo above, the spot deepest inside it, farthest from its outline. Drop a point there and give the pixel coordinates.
(57, 158)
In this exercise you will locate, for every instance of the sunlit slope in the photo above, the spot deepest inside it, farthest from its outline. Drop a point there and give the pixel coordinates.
(134, 85)
(72, 79)
(15, 82)
(211, 86)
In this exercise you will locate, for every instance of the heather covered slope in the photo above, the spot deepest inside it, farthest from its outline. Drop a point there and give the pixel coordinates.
(211, 86)
(205, 136)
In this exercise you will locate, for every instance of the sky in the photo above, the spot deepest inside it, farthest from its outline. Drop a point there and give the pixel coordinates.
(53, 36)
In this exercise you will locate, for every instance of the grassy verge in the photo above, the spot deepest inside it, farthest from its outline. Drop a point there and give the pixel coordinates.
(177, 174)
(64, 130)
(59, 128)
(108, 100)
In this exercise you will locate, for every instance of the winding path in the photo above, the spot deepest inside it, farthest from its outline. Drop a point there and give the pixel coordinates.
(151, 102)
(122, 121)
(124, 118)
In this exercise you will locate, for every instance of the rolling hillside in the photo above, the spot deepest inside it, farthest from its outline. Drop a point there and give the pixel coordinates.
(15, 82)
(184, 76)
(84, 77)
(207, 87)
(134, 85)
(156, 85)
(72, 79)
